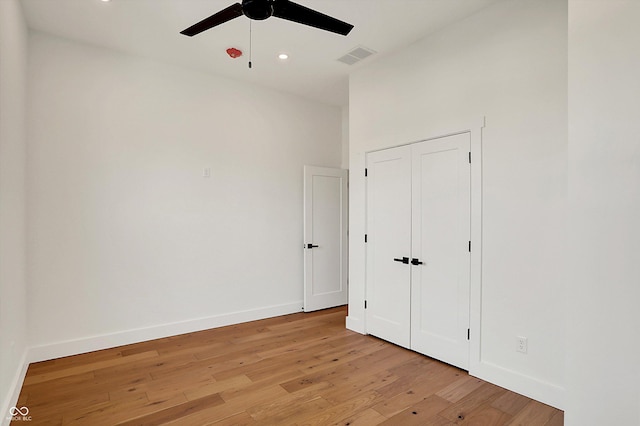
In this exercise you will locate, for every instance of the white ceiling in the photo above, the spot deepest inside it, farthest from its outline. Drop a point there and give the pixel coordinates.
(150, 28)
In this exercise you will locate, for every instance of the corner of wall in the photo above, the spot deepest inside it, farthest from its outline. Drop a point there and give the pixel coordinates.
(14, 390)
(13, 283)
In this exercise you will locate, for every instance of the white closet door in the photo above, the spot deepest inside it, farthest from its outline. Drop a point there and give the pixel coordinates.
(389, 237)
(441, 234)
(325, 233)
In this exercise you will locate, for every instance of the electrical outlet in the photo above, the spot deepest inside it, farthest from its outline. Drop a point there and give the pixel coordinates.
(206, 172)
(521, 344)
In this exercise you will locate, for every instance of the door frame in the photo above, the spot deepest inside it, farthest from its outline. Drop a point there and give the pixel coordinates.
(474, 128)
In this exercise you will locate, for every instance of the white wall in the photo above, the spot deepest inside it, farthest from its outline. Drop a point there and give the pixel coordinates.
(345, 137)
(13, 302)
(508, 63)
(125, 233)
(604, 173)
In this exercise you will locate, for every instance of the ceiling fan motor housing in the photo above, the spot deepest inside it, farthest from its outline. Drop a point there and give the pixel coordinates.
(257, 9)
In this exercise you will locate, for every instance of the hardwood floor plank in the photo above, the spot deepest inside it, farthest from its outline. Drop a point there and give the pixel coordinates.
(56, 364)
(117, 412)
(463, 408)
(100, 414)
(188, 384)
(418, 365)
(242, 419)
(303, 369)
(334, 356)
(53, 407)
(511, 402)
(273, 382)
(533, 414)
(209, 366)
(367, 417)
(460, 388)
(386, 358)
(419, 413)
(253, 396)
(216, 387)
(556, 420)
(151, 364)
(121, 385)
(418, 389)
(346, 387)
(63, 386)
(234, 408)
(440, 421)
(321, 376)
(212, 416)
(340, 412)
(292, 406)
(84, 368)
(485, 414)
(175, 412)
(220, 352)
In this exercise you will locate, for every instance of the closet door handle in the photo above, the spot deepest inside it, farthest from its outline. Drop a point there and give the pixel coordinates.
(416, 262)
(310, 246)
(404, 260)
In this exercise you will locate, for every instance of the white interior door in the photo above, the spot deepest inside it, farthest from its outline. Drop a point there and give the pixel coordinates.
(389, 244)
(441, 235)
(325, 236)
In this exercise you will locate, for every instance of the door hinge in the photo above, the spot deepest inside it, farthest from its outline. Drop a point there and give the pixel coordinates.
(365, 238)
(365, 304)
(365, 172)
(468, 333)
(469, 157)
(469, 246)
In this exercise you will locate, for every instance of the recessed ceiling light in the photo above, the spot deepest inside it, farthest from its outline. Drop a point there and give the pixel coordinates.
(283, 56)
(106, 1)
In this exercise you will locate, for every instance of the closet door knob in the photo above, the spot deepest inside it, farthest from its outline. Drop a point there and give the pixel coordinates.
(416, 262)
(310, 246)
(404, 260)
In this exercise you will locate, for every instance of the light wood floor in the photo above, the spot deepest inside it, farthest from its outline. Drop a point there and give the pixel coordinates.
(297, 369)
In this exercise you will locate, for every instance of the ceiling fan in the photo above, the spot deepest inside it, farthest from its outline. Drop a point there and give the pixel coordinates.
(263, 9)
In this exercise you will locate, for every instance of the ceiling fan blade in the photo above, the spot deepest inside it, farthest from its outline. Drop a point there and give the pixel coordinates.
(291, 11)
(221, 17)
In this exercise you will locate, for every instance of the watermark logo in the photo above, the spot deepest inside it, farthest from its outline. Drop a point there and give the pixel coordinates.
(19, 414)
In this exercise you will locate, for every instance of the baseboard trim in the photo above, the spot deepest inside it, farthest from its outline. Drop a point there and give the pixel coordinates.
(355, 324)
(110, 340)
(14, 390)
(547, 393)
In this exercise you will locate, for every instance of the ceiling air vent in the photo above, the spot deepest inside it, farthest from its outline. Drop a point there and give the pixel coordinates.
(356, 55)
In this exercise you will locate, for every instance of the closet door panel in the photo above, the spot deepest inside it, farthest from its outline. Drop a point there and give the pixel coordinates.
(440, 238)
(388, 292)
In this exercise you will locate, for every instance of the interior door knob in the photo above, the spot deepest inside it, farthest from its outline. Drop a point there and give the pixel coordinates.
(310, 246)
(415, 261)
(404, 260)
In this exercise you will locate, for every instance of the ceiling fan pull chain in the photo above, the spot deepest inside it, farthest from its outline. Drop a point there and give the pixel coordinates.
(250, 48)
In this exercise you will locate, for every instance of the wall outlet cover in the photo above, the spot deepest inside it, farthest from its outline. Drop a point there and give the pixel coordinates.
(521, 344)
